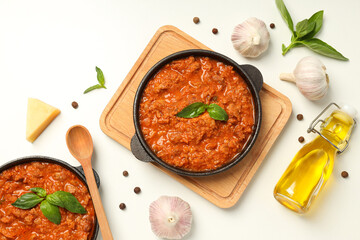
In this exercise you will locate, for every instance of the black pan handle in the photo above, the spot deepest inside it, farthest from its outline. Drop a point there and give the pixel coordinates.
(254, 74)
(96, 175)
(138, 150)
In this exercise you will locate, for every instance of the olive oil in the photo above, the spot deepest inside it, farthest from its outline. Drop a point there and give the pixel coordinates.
(311, 167)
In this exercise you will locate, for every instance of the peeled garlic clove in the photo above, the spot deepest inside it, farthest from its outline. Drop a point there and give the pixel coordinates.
(170, 217)
(310, 77)
(251, 38)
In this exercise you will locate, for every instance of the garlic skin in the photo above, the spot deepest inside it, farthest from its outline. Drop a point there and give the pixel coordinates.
(310, 77)
(251, 38)
(170, 217)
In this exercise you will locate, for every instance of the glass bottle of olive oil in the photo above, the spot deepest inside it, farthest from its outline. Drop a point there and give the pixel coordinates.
(312, 165)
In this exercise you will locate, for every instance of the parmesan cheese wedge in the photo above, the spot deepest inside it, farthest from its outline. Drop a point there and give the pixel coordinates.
(39, 116)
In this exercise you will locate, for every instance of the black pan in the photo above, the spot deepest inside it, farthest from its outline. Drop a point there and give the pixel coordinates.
(78, 171)
(249, 73)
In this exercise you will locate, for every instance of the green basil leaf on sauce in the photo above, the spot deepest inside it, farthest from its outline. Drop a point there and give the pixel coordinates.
(196, 109)
(27, 201)
(201, 110)
(193, 110)
(54, 199)
(66, 200)
(39, 191)
(216, 112)
(323, 48)
(51, 212)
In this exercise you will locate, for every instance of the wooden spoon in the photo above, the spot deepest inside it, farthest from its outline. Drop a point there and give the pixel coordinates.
(80, 145)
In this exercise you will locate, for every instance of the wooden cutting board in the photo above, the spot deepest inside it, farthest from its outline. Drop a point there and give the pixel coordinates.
(223, 189)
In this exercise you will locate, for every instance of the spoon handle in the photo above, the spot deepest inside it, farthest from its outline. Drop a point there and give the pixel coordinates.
(99, 209)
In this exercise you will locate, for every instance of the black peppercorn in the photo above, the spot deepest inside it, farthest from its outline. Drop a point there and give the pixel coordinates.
(196, 20)
(75, 105)
(122, 206)
(137, 190)
(344, 174)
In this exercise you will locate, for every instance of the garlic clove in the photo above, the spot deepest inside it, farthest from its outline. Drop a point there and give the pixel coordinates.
(251, 38)
(170, 217)
(310, 77)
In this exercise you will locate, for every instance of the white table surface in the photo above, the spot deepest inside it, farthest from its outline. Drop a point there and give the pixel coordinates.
(49, 50)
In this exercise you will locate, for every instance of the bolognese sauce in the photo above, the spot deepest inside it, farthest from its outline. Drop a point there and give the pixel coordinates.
(201, 143)
(20, 224)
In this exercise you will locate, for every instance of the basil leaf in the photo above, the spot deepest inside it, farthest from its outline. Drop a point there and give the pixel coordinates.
(323, 48)
(100, 76)
(39, 191)
(101, 80)
(201, 109)
(54, 199)
(51, 212)
(304, 27)
(67, 201)
(216, 112)
(97, 86)
(196, 109)
(285, 15)
(27, 201)
(193, 110)
(316, 18)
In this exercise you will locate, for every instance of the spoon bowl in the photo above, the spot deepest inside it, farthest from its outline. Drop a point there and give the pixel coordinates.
(79, 142)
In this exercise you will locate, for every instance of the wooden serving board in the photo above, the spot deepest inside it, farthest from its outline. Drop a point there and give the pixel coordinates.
(223, 189)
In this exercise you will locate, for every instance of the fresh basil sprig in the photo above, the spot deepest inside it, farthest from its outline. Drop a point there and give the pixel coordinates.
(196, 109)
(49, 204)
(101, 80)
(304, 33)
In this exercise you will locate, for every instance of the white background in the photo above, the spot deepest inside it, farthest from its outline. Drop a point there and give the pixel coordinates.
(49, 50)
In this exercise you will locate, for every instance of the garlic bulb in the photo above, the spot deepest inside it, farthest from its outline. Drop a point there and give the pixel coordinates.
(251, 38)
(170, 217)
(310, 78)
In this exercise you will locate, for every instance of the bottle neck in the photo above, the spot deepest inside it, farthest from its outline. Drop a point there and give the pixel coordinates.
(337, 128)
